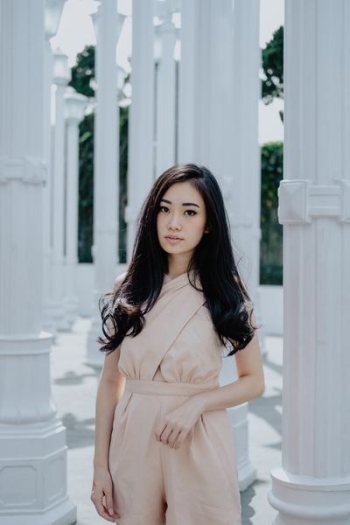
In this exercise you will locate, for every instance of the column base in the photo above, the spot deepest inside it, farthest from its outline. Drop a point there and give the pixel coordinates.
(246, 471)
(33, 474)
(65, 513)
(304, 500)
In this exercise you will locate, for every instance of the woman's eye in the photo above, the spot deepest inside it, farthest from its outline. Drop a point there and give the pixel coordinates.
(192, 212)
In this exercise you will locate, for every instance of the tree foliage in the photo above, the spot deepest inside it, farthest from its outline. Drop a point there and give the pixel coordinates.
(272, 65)
(84, 71)
(271, 244)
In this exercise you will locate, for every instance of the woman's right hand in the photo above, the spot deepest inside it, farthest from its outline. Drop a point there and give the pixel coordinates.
(101, 494)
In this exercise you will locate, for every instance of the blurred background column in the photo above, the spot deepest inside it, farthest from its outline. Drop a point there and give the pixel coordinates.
(33, 451)
(313, 483)
(141, 115)
(205, 135)
(166, 34)
(62, 76)
(75, 105)
(245, 184)
(53, 12)
(106, 167)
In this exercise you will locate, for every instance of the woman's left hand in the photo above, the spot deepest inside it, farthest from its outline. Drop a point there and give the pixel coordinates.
(179, 422)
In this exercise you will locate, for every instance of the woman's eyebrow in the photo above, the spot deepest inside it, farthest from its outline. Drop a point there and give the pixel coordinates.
(183, 204)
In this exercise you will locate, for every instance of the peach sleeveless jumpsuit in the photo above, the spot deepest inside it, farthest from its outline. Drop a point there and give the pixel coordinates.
(176, 355)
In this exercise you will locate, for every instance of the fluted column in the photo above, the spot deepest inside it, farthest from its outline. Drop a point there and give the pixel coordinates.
(245, 185)
(206, 137)
(53, 11)
(166, 102)
(106, 167)
(75, 105)
(32, 440)
(61, 79)
(141, 114)
(312, 486)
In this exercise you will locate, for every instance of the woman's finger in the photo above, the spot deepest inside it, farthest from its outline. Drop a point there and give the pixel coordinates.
(103, 512)
(173, 439)
(97, 499)
(165, 434)
(109, 504)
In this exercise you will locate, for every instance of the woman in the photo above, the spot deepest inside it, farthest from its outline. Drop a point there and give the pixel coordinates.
(164, 449)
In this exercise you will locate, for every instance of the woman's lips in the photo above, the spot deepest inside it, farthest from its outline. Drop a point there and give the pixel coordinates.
(172, 240)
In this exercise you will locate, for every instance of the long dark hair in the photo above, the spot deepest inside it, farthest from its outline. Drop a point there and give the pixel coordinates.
(226, 296)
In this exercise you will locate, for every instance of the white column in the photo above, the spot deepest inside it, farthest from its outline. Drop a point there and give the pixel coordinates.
(53, 11)
(312, 486)
(32, 440)
(205, 137)
(61, 79)
(166, 102)
(75, 105)
(141, 114)
(106, 167)
(245, 184)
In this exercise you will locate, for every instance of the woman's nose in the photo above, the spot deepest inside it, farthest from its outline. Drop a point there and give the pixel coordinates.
(174, 221)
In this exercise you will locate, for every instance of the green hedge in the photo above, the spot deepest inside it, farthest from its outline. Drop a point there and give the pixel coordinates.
(271, 243)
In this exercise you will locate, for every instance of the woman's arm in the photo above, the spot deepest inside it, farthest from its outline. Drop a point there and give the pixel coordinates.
(110, 389)
(249, 385)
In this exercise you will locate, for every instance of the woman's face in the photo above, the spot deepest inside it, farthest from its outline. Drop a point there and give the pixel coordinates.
(181, 214)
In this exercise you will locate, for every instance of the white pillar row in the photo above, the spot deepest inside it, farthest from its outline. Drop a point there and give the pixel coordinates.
(141, 115)
(61, 77)
(205, 137)
(312, 486)
(106, 167)
(245, 191)
(53, 11)
(165, 89)
(74, 107)
(33, 451)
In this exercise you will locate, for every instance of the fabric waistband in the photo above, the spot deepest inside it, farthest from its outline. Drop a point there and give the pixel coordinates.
(164, 388)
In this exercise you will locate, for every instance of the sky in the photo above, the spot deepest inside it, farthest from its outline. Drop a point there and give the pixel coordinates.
(76, 31)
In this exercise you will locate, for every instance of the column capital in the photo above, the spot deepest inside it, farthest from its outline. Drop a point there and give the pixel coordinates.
(53, 12)
(61, 70)
(75, 105)
(300, 201)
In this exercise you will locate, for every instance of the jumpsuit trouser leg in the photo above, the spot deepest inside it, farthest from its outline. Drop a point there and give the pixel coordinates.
(154, 484)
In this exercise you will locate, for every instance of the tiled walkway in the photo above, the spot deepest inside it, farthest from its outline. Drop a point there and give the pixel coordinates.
(74, 388)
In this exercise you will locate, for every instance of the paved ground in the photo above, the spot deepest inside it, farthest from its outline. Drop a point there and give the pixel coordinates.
(74, 390)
